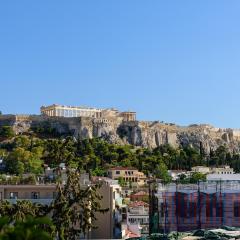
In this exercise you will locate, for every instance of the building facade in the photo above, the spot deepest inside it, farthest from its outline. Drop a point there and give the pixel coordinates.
(138, 218)
(139, 196)
(222, 170)
(213, 170)
(176, 207)
(229, 178)
(56, 110)
(109, 224)
(43, 194)
(128, 174)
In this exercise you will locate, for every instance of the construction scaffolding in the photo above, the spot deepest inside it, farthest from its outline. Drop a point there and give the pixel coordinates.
(187, 207)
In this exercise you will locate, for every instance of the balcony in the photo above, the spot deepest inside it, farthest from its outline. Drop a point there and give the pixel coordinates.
(42, 201)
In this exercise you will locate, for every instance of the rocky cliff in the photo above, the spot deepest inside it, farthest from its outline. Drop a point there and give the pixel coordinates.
(138, 133)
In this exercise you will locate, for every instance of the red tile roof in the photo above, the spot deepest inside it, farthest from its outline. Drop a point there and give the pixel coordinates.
(138, 204)
(130, 234)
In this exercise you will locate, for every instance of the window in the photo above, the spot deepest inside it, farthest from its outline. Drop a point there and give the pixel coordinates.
(13, 195)
(35, 195)
(117, 172)
(237, 209)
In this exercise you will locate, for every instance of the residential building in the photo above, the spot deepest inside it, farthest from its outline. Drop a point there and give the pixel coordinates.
(128, 174)
(230, 178)
(175, 174)
(213, 170)
(44, 193)
(201, 169)
(39, 192)
(139, 196)
(126, 191)
(138, 218)
(110, 223)
(222, 170)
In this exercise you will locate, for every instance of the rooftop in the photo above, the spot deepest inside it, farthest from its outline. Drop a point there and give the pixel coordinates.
(96, 179)
(138, 204)
(223, 177)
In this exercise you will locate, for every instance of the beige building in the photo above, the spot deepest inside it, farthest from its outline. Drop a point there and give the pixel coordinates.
(201, 169)
(128, 174)
(43, 194)
(222, 170)
(213, 170)
(109, 224)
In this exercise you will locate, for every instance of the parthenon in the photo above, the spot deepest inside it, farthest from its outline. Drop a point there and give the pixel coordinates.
(72, 111)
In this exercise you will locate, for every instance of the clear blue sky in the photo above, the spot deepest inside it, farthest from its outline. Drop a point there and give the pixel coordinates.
(176, 61)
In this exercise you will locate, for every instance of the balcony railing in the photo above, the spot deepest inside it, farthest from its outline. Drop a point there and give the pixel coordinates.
(43, 201)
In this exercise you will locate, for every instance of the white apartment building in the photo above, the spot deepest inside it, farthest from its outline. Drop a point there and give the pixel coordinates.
(213, 170)
(138, 218)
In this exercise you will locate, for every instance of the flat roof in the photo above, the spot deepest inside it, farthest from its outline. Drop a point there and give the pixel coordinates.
(223, 177)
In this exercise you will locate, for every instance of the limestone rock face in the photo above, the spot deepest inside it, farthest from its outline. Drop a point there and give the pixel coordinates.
(138, 133)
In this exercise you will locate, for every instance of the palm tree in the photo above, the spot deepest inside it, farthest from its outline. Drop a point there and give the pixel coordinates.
(5, 208)
(21, 209)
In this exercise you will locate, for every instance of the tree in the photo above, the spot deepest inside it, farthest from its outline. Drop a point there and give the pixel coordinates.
(121, 182)
(22, 142)
(59, 151)
(30, 229)
(162, 173)
(221, 154)
(73, 211)
(20, 210)
(197, 176)
(6, 132)
(21, 160)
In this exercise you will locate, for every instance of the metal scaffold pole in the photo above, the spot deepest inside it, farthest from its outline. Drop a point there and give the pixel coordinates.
(176, 207)
(199, 207)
